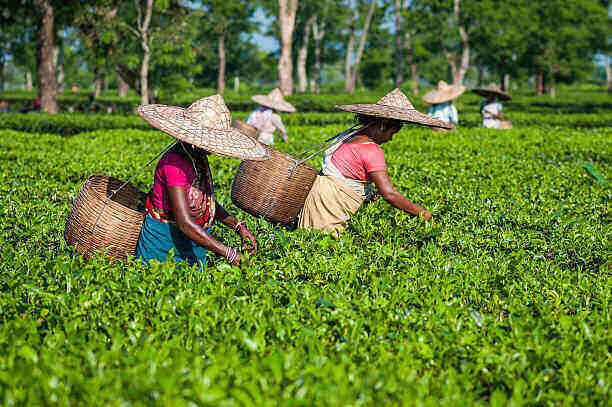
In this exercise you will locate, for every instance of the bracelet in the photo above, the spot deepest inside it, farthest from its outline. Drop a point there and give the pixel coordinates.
(239, 224)
(230, 254)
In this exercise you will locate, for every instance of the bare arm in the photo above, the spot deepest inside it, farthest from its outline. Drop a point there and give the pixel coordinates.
(394, 197)
(278, 124)
(248, 239)
(192, 230)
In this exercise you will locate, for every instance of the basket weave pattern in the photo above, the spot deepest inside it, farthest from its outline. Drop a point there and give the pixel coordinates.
(245, 128)
(267, 189)
(98, 224)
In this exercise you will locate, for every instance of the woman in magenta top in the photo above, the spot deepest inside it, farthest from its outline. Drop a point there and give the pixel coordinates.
(181, 206)
(351, 167)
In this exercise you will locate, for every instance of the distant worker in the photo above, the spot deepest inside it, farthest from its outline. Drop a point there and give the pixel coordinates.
(4, 107)
(441, 100)
(265, 117)
(491, 108)
(91, 102)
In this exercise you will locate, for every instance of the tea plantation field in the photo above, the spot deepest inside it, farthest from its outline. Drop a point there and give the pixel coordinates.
(503, 299)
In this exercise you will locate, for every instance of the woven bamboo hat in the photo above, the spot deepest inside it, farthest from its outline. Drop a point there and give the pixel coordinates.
(205, 124)
(274, 100)
(444, 93)
(492, 89)
(395, 105)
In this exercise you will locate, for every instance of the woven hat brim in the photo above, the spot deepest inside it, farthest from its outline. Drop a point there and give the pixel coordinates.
(282, 106)
(436, 96)
(486, 92)
(224, 142)
(396, 113)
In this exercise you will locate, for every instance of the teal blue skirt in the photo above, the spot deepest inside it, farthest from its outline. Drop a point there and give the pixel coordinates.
(158, 238)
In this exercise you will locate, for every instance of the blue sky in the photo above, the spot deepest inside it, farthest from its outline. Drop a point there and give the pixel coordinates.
(265, 42)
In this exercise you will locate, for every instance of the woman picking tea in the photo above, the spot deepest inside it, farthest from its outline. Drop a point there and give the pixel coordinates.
(491, 107)
(350, 167)
(181, 206)
(265, 117)
(441, 100)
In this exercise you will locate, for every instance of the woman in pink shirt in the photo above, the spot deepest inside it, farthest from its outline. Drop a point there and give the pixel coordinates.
(351, 167)
(181, 206)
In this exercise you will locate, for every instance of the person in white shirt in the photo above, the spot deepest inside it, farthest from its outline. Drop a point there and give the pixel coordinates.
(491, 108)
(265, 117)
(441, 100)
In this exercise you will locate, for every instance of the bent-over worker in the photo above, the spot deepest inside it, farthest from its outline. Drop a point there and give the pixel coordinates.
(181, 206)
(491, 107)
(349, 168)
(265, 117)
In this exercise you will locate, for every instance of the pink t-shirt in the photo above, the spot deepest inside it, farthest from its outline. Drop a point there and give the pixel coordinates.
(356, 160)
(172, 171)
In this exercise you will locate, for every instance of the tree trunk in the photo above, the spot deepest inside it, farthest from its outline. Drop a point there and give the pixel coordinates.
(286, 20)
(45, 68)
(461, 70)
(97, 85)
(415, 78)
(123, 86)
(539, 83)
(551, 85)
(143, 28)
(608, 74)
(144, 72)
(506, 83)
(60, 69)
(318, 31)
(303, 56)
(349, 56)
(221, 75)
(2, 73)
(28, 81)
(480, 74)
(362, 40)
(399, 45)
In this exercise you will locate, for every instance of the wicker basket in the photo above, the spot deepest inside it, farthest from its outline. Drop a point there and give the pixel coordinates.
(98, 224)
(245, 128)
(268, 189)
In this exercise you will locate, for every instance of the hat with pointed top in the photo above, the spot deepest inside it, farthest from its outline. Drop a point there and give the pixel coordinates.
(395, 105)
(204, 124)
(443, 93)
(492, 89)
(274, 100)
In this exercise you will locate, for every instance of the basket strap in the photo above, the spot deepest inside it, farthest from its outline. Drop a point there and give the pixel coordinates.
(342, 133)
(127, 182)
(337, 139)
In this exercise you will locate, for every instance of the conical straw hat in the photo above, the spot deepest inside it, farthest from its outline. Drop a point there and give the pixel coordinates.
(205, 124)
(492, 89)
(395, 105)
(274, 100)
(444, 93)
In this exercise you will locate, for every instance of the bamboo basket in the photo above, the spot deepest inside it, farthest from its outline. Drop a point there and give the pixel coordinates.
(104, 221)
(271, 189)
(245, 128)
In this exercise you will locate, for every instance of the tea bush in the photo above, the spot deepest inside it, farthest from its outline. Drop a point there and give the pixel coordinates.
(71, 124)
(504, 299)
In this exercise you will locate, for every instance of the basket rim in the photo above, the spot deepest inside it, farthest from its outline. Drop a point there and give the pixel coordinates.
(110, 202)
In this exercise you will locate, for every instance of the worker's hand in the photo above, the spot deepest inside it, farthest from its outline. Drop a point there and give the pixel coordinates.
(237, 260)
(249, 244)
(425, 215)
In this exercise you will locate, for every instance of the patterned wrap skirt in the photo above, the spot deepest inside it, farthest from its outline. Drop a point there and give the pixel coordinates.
(158, 238)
